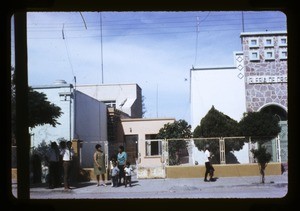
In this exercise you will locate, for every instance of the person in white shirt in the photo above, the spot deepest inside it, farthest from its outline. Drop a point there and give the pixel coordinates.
(67, 153)
(208, 166)
(128, 171)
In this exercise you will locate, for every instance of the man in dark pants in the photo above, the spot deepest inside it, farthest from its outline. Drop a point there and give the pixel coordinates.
(208, 166)
(67, 155)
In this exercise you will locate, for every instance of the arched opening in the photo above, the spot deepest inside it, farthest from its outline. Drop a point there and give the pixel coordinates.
(276, 110)
(279, 146)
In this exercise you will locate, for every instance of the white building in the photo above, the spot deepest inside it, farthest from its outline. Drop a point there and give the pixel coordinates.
(257, 81)
(124, 97)
(83, 118)
(223, 88)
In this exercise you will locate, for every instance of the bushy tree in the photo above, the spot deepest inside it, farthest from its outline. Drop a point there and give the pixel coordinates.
(40, 110)
(177, 130)
(217, 124)
(263, 158)
(260, 126)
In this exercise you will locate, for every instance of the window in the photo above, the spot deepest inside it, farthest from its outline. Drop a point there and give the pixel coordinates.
(269, 55)
(253, 43)
(153, 147)
(282, 41)
(110, 103)
(283, 54)
(268, 42)
(254, 56)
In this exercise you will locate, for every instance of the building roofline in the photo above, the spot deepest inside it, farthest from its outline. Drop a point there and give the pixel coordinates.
(53, 86)
(243, 34)
(86, 85)
(213, 68)
(146, 119)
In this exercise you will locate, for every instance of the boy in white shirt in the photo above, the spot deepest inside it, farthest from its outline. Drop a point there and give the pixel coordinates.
(128, 171)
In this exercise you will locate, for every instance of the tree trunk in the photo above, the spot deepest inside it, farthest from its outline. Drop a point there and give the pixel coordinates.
(262, 172)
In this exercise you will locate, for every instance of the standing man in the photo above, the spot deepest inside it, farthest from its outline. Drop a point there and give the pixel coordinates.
(208, 166)
(53, 159)
(67, 156)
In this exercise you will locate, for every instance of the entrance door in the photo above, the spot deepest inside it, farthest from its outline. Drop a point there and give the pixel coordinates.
(131, 147)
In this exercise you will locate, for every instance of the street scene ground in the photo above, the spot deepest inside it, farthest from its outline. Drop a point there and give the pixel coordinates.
(185, 188)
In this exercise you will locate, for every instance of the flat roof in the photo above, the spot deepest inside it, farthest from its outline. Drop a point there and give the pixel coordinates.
(146, 119)
(87, 85)
(213, 68)
(263, 33)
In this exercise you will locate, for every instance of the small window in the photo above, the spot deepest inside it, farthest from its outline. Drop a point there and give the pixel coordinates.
(269, 55)
(283, 54)
(282, 41)
(254, 56)
(253, 43)
(153, 147)
(268, 42)
(110, 103)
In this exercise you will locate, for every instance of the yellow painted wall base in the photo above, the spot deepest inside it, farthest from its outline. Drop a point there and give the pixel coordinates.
(228, 170)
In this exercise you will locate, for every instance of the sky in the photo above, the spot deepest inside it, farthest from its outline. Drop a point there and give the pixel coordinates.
(156, 50)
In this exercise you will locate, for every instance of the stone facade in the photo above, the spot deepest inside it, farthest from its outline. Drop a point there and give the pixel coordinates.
(265, 69)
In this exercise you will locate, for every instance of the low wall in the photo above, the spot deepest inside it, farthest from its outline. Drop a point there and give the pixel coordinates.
(151, 172)
(228, 170)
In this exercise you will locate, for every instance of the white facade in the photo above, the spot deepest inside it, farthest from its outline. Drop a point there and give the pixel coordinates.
(124, 97)
(219, 87)
(223, 88)
(83, 118)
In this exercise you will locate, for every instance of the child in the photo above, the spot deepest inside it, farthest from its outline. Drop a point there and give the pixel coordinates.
(127, 171)
(114, 174)
(111, 166)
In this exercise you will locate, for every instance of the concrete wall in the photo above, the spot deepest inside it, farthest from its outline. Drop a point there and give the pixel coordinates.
(128, 97)
(228, 170)
(90, 125)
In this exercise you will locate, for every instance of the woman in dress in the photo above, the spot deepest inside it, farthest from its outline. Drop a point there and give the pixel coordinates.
(99, 165)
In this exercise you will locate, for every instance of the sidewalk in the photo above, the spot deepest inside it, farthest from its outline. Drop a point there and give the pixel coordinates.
(227, 187)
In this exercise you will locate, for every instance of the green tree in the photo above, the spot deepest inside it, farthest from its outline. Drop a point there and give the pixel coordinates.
(263, 158)
(217, 124)
(262, 127)
(40, 110)
(178, 130)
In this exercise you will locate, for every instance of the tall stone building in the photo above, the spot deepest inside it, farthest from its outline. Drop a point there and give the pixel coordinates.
(265, 71)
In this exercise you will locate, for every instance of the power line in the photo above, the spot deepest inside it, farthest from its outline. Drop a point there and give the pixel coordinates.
(102, 78)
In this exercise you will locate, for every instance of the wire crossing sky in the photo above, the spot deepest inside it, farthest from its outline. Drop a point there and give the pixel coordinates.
(156, 50)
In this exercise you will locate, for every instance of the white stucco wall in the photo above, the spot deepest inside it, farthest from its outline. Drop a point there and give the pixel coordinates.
(222, 88)
(218, 87)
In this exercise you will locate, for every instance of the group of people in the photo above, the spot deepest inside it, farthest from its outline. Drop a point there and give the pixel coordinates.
(60, 157)
(120, 169)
